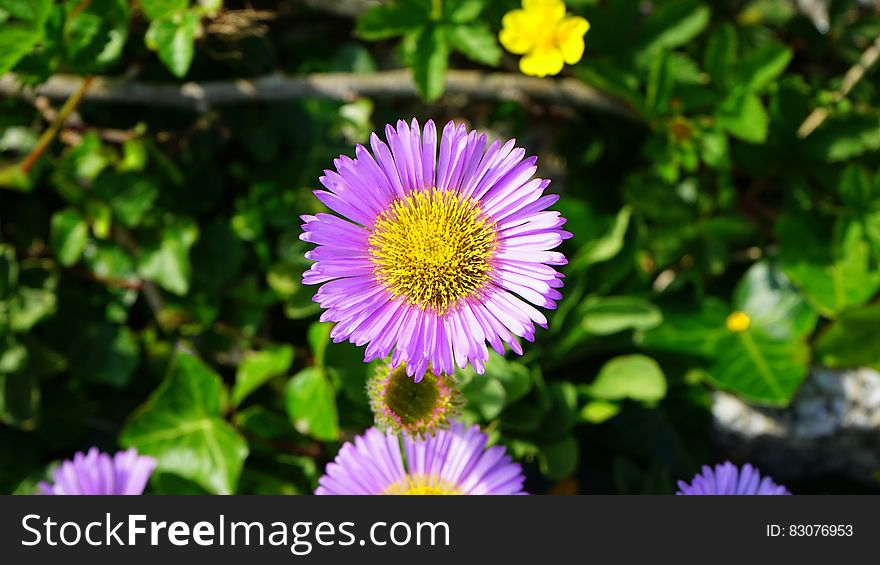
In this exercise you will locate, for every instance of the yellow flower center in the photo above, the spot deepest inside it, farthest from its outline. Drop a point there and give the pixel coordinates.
(738, 321)
(433, 248)
(422, 484)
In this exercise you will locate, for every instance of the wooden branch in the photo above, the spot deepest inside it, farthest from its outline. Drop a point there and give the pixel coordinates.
(73, 99)
(850, 79)
(337, 86)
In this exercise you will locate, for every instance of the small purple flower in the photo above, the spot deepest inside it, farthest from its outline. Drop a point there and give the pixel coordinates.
(727, 479)
(454, 461)
(442, 243)
(98, 473)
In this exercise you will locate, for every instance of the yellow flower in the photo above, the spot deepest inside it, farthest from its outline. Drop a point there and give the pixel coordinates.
(545, 35)
(738, 322)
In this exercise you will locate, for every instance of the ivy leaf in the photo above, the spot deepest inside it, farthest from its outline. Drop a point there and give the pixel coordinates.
(182, 427)
(105, 354)
(68, 236)
(95, 35)
(476, 42)
(173, 37)
(130, 195)
(33, 11)
(21, 30)
(311, 404)
(16, 41)
(257, 367)
(429, 61)
(168, 263)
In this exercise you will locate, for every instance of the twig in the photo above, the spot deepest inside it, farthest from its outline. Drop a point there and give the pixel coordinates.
(73, 100)
(151, 292)
(336, 86)
(850, 79)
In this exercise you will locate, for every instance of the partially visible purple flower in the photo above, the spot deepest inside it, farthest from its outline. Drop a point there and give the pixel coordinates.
(454, 461)
(728, 479)
(99, 473)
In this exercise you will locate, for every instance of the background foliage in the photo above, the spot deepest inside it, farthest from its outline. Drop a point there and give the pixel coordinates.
(150, 269)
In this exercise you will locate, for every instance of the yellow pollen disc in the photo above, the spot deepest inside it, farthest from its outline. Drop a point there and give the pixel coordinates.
(420, 484)
(738, 321)
(433, 248)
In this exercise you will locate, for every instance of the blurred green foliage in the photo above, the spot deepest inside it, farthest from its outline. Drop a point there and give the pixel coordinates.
(150, 267)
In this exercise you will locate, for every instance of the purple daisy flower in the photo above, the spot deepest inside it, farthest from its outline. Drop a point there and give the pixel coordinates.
(454, 461)
(98, 473)
(728, 479)
(434, 256)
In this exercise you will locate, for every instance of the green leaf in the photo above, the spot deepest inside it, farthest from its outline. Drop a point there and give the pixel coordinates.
(604, 247)
(155, 9)
(773, 303)
(19, 400)
(130, 195)
(844, 137)
(173, 37)
(318, 336)
(181, 425)
(393, 19)
(720, 54)
(693, 331)
(834, 277)
(636, 377)
(462, 11)
(8, 271)
(560, 458)
(311, 404)
(257, 367)
(429, 62)
(34, 11)
(760, 67)
(168, 263)
(104, 354)
(759, 368)
(744, 117)
(675, 24)
(853, 340)
(96, 34)
(68, 236)
(476, 42)
(485, 396)
(16, 41)
(29, 306)
(660, 84)
(856, 189)
(598, 411)
(611, 314)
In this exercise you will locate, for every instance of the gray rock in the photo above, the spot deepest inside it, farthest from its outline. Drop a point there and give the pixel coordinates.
(831, 427)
